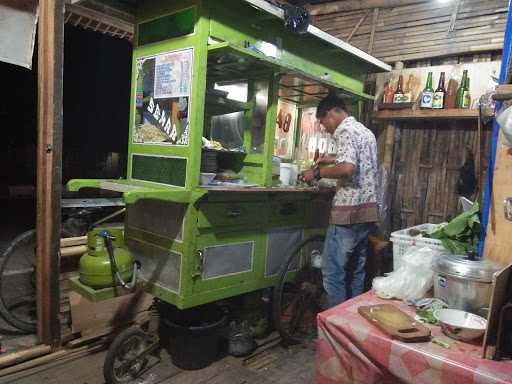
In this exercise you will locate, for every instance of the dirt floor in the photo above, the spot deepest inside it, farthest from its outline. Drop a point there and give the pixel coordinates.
(270, 364)
(273, 365)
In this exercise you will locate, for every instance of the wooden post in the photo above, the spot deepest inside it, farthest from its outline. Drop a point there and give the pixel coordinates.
(374, 27)
(49, 166)
(389, 146)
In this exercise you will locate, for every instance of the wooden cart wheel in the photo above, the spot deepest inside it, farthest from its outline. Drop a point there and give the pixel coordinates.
(299, 293)
(126, 357)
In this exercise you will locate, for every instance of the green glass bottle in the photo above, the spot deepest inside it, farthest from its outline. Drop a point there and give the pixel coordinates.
(466, 98)
(460, 92)
(427, 97)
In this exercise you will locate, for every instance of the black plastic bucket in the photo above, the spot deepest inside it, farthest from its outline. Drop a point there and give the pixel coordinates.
(193, 337)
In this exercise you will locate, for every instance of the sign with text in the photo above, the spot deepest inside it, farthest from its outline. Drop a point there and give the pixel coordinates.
(162, 100)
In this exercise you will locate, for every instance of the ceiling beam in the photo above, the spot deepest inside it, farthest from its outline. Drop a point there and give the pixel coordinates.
(354, 5)
(104, 18)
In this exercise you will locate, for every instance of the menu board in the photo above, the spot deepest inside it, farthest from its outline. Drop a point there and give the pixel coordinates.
(313, 137)
(285, 129)
(162, 106)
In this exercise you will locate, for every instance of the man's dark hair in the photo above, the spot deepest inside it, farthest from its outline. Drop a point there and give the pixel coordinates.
(329, 102)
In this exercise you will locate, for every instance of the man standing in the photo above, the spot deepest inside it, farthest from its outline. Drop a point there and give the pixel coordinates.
(354, 205)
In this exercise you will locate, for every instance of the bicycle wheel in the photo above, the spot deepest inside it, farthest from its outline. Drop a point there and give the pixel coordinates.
(18, 282)
(128, 346)
(299, 294)
(18, 275)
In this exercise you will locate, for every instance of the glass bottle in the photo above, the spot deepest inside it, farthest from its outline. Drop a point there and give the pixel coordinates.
(450, 101)
(408, 89)
(428, 93)
(460, 91)
(399, 93)
(466, 98)
(439, 94)
(388, 93)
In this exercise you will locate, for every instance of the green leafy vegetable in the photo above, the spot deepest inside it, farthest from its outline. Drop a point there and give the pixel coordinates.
(461, 235)
(426, 316)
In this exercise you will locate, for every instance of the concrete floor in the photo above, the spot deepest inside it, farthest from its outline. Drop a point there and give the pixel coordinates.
(275, 365)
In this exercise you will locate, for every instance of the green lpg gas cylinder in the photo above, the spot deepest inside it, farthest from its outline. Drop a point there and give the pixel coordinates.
(95, 269)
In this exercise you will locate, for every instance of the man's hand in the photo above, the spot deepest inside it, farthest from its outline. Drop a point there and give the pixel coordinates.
(308, 175)
(325, 159)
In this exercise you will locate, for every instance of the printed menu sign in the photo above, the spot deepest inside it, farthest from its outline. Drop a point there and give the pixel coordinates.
(162, 105)
(173, 74)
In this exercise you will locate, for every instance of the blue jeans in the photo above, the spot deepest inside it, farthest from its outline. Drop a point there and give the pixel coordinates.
(344, 259)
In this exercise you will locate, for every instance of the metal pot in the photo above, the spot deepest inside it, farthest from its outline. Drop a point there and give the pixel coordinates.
(463, 283)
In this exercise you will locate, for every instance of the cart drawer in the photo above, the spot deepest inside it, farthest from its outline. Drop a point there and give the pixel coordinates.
(284, 211)
(230, 214)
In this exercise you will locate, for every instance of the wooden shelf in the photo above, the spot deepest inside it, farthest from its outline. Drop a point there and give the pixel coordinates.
(441, 114)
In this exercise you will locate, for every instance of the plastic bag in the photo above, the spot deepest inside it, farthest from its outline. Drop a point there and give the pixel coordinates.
(456, 73)
(412, 280)
(504, 119)
(296, 19)
(487, 104)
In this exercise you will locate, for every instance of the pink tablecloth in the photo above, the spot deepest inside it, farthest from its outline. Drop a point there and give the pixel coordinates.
(351, 350)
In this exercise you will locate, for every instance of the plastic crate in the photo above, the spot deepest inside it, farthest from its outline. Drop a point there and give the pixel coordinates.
(402, 241)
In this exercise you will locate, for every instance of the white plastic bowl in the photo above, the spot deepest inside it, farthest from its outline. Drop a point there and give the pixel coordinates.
(207, 178)
(461, 325)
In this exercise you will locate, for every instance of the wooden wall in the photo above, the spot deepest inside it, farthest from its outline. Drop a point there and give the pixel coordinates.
(424, 157)
(425, 167)
(415, 31)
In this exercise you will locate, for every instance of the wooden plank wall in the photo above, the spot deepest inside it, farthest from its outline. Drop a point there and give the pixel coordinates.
(425, 169)
(498, 243)
(424, 157)
(424, 30)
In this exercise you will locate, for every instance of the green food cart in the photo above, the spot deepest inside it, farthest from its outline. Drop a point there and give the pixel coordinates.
(219, 87)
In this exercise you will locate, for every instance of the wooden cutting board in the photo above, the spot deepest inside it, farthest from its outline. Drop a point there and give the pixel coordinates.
(395, 323)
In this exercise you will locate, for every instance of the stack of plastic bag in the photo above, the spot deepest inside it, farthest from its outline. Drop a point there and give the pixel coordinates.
(412, 280)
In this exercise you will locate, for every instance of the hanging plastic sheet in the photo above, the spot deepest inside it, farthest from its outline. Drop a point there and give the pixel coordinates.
(383, 200)
(18, 23)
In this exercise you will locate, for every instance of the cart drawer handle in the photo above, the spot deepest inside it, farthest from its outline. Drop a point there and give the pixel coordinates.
(234, 212)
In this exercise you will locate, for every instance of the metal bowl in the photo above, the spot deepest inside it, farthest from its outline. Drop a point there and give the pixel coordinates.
(460, 325)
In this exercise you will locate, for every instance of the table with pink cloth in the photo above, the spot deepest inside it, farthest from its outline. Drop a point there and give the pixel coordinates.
(351, 350)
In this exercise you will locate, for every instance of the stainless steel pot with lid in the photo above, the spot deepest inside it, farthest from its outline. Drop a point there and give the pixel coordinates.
(463, 283)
